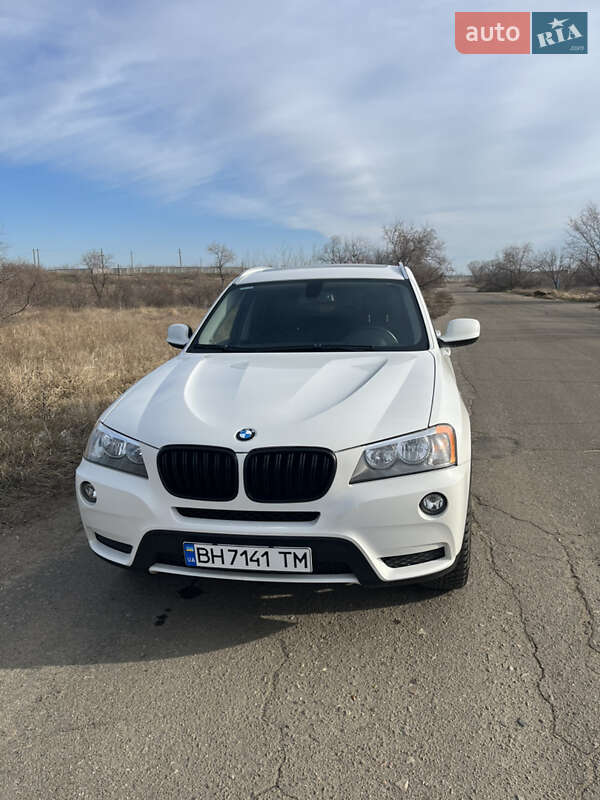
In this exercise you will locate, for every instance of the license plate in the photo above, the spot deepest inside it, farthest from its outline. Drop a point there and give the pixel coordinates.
(248, 557)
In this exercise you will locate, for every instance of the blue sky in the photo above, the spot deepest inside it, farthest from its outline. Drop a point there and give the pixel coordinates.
(152, 126)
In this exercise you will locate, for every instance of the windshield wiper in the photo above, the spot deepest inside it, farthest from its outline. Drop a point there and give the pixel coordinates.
(346, 347)
(217, 348)
(292, 348)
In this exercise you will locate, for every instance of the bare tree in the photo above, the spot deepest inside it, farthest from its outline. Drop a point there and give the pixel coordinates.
(222, 256)
(346, 251)
(18, 282)
(515, 265)
(99, 268)
(512, 268)
(559, 267)
(478, 270)
(420, 249)
(332, 251)
(284, 257)
(584, 241)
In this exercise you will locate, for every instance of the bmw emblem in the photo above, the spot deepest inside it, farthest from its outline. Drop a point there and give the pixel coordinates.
(245, 434)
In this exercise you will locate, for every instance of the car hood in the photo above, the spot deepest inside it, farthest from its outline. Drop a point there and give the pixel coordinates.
(309, 399)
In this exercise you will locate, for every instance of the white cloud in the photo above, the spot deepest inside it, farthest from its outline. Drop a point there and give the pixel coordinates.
(333, 117)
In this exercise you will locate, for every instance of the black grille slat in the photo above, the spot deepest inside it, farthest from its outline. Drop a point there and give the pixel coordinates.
(196, 468)
(198, 473)
(288, 475)
(414, 558)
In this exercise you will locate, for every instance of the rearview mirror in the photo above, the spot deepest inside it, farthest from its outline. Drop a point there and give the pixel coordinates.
(178, 335)
(460, 332)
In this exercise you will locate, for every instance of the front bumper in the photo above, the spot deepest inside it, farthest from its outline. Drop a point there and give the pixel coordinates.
(357, 526)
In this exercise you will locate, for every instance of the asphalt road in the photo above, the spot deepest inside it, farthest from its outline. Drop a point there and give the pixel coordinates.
(114, 685)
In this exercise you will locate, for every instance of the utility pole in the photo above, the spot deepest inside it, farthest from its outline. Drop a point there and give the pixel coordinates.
(131, 259)
(179, 251)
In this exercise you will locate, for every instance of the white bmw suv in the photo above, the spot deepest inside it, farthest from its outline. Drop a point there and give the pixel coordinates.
(310, 431)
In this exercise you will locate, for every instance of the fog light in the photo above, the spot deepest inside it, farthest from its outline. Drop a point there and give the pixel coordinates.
(88, 492)
(433, 503)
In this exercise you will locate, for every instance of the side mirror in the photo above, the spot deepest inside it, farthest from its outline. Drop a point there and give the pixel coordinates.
(178, 335)
(460, 332)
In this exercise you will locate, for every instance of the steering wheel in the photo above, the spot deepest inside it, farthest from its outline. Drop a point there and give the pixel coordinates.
(378, 336)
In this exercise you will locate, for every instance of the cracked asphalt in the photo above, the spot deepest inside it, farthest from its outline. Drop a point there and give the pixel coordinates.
(115, 685)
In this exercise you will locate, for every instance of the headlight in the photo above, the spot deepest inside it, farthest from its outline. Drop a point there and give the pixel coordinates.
(115, 450)
(417, 452)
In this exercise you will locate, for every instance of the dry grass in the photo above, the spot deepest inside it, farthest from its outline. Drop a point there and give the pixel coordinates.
(572, 295)
(439, 302)
(60, 369)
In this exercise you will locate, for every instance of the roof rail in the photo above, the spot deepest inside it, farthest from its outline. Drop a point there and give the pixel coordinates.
(326, 265)
(254, 269)
(400, 268)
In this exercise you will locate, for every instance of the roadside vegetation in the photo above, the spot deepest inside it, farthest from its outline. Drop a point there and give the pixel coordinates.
(571, 272)
(97, 281)
(60, 370)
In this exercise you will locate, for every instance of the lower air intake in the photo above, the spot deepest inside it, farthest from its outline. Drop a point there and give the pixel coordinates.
(250, 516)
(120, 546)
(414, 558)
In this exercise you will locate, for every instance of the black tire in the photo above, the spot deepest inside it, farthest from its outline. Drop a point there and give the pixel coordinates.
(459, 574)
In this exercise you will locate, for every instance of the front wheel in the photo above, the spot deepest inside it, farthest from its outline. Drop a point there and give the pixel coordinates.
(459, 574)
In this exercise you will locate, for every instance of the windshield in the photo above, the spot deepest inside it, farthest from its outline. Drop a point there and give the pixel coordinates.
(318, 314)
